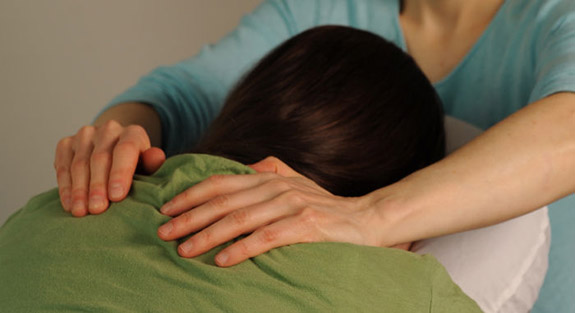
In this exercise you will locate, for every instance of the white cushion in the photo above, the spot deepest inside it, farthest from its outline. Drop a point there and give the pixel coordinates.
(501, 267)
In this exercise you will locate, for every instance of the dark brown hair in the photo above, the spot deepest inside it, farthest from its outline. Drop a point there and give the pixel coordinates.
(342, 106)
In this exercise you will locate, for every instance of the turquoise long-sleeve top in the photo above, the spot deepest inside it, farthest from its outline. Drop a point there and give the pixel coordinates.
(526, 53)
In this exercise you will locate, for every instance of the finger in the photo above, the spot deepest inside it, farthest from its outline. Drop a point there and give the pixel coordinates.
(62, 163)
(214, 210)
(239, 222)
(210, 188)
(287, 231)
(83, 145)
(126, 153)
(152, 159)
(100, 165)
(274, 165)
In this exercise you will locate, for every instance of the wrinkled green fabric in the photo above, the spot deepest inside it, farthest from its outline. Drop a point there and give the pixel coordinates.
(114, 262)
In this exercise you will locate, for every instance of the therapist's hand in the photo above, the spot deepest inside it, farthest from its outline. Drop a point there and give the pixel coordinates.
(96, 165)
(277, 206)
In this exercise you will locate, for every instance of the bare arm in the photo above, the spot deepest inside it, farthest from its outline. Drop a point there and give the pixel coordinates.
(519, 165)
(134, 113)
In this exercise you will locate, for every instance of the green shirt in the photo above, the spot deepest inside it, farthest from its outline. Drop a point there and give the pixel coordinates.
(115, 262)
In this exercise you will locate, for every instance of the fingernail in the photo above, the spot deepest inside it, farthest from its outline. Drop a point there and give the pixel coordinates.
(167, 208)
(116, 191)
(186, 247)
(96, 202)
(78, 208)
(222, 258)
(166, 229)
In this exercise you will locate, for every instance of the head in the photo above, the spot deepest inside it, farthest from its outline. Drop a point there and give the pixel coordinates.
(342, 106)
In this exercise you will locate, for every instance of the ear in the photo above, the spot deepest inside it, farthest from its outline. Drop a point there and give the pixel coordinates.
(274, 165)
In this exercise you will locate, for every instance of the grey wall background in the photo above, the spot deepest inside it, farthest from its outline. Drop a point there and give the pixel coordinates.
(62, 60)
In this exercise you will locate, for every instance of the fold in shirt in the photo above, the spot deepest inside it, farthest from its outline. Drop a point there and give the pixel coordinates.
(115, 262)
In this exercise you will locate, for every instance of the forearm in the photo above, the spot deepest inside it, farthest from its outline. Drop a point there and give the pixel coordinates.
(131, 113)
(519, 165)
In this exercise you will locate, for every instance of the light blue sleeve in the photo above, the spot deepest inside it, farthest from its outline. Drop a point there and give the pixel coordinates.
(555, 67)
(555, 51)
(189, 95)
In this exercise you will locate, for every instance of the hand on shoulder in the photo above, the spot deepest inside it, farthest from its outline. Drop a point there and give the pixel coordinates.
(96, 165)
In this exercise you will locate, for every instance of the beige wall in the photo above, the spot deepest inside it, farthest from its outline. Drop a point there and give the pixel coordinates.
(62, 60)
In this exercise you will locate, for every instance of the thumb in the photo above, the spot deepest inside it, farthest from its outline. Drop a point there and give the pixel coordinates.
(274, 165)
(152, 159)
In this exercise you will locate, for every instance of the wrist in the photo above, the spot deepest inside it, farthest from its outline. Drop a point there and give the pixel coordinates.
(390, 211)
(417, 207)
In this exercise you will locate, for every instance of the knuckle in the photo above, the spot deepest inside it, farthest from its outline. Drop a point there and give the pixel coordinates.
(216, 182)
(79, 164)
(86, 130)
(79, 193)
(243, 249)
(268, 236)
(205, 236)
(108, 129)
(278, 184)
(240, 217)
(220, 202)
(65, 191)
(183, 197)
(62, 170)
(101, 157)
(137, 130)
(64, 143)
(308, 216)
(97, 188)
(121, 175)
(216, 179)
(186, 218)
(110, 125)
(294, 198)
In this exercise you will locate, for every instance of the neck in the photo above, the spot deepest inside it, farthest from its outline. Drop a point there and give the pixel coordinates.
(449, 14)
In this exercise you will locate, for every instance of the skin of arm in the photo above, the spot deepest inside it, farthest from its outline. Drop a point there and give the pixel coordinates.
(134, 113)
(523, 163)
